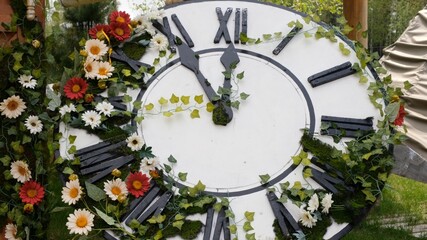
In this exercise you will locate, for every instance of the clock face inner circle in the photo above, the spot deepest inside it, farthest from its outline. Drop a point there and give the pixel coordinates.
(261, 138)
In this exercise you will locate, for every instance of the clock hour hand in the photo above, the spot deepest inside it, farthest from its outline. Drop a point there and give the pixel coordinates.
(190, 61)
(229, 60)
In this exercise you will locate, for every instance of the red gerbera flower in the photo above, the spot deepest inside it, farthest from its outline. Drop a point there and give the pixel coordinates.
(98, 31)
(120, 31)
(75, 88)
(119, 17)
(400, 116)
(137, 184)
(31, 192)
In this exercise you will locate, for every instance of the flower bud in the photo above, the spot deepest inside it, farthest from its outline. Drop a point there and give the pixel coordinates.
(395, 98)
(116, 172)
(154, 174)
(83, 53)
(102, 84)
(36, 43)
(121, 198)
(73, 177)
(28, 208)
(89, 98)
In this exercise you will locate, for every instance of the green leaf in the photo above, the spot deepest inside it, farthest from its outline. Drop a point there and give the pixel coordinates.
(134, 224)
(72, 139)
(178, 224)
(126, 72)
(299, 25)
(163, 101)
(241, 75)
(179, 109)
(199, 99)
(307, 173)
(157, 219)
(174, 99)
(68, 170)
(168, 168)
(229, 214)
(267, 37)
(182, 176)
(249, 216)
(407, 85)
(185, 100)
(369, 195)
(172, 159)
(210, 107)
(247, 226)
(139, 119)
(363, 79)
(195, 114)
(244, 96)
(26, 139)
(345, 51)
(168, 114)
(264, 178)
(5, 160)
(94, 192)
(109, 220)
(369, 154)
(149, 107)
(297, 185)
(250, 236)
(72, 149)
(392, 110)
(235, 104)
(233, 228)
(227, 74)
(127, 98)
(179, 217)
(137, 105)
(308, 35)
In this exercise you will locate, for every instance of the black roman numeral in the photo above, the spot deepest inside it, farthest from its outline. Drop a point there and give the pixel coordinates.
(119, 55)
(222, 224)
(100, 159)
(241, 16)
(287, 223)
(330, 179)
(166, 30)
(152, 204)
(331, 74)
(346, 127)
(286, 40)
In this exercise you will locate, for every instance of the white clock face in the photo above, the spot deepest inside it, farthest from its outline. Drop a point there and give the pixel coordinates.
(265, 131)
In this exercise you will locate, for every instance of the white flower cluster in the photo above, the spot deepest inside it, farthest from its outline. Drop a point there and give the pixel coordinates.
(94, 67)
(310, 213)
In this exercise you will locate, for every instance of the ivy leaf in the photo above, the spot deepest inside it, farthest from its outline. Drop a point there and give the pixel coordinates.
(127, 99)
(306, 161)
(233, 228)
(308, 35)
(227, 74)
(109, 220)
(307, 173)
(297, 185)
(55, 99)
(195, 114)
(137, 105)
(168, 168)
(94, 192)
(202, 202)
(134, 224)
(229, 214)
(241, 75)
(343, 49)
(244, 96)
(139, 119)
(185, 100)
(369, 154)
(266, 37)
(179, 217)
(182, 176)
(126, 72)
(198, 99)
(250, 236)
(174, 99)
(247, 226)
(363, 79)
(210, 107)
(264, 178)
(178, 224)
(249, 216)
(149, 107)
(185, 204)
(369, 195)
(407, 85)
(172, 159)
(5, 160)
(179, 109)
(392, 110)
(163, 101)
(235, 104)
(72, 139)
(168, 114)
(283, 199)
(382, 176)
(72, 149)
(157, 219)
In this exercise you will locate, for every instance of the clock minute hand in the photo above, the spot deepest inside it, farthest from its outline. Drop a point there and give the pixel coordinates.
(228, 59)
(189, 60)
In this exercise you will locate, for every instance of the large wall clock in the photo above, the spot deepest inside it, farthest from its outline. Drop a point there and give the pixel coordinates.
(296, 84)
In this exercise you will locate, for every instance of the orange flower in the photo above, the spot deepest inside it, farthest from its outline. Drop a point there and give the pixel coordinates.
(120, 31)
(31, 192)
(75, 88)
(137, 184)
(400, 116)
(119, 17)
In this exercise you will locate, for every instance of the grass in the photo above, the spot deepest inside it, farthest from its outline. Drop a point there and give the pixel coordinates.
(404, 199)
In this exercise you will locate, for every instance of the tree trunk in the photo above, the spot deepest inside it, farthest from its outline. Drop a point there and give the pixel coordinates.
(356, 11)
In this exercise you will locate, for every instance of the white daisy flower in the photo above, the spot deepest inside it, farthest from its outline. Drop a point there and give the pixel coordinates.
(307, 219)
(135, 142)
(20, 171)
(104, 70)
(104, 108)
(327, 203)
(72, 192)
(148, 164)
(96, 48)
(313, 203)
(10, 232)
(80, 222)
(91, 118)
(27, 81)
(12, 107)
(34, 124)
(159, 42)
(155, 14)
(141, 23)
(115, 188)
(67, 109)
(91, 68)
